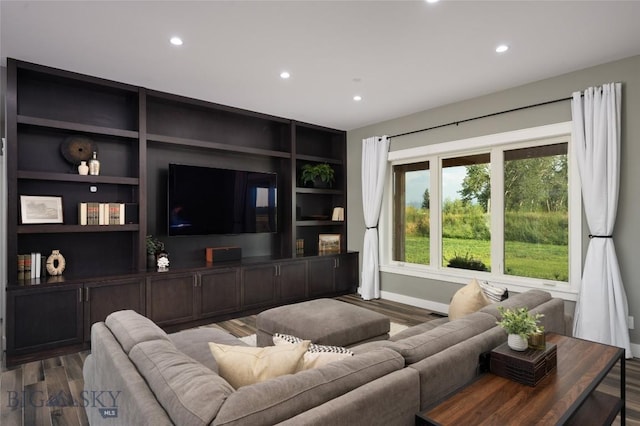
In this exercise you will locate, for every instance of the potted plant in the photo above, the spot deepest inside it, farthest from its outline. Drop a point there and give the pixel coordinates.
(319, 175)
(154, 246)
(519, 324)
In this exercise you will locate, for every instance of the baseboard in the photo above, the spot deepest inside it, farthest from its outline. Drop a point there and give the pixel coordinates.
(635, 350)
(441, 308)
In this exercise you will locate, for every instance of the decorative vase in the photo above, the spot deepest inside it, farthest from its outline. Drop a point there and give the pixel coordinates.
(83, 169)
(517, 343)
(94, 165)
(151, 260)
(537, 341)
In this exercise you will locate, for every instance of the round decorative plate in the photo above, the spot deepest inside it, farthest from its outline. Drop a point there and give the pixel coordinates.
(75, 149)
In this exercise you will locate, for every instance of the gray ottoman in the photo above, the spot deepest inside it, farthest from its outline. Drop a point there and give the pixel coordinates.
(324, 322)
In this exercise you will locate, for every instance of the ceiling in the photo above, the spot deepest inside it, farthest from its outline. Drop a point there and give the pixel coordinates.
(400, 56)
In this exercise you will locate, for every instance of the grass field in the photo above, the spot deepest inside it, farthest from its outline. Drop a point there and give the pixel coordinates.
(544, 261)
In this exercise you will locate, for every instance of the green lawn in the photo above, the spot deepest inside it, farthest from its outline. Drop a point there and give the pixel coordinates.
(544, 261)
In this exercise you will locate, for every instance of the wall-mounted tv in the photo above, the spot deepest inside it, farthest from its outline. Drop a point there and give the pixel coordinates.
(206, 200)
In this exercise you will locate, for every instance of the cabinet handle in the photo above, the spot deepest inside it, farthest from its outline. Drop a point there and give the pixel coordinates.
(86, 294)
(80, 295)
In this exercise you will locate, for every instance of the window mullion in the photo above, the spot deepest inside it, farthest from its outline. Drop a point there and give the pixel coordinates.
(435, 245)
(496, 212)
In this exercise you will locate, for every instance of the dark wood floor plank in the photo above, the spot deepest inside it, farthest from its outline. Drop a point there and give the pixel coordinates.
(73, 366)
(32, 372)
(36, 411)
(77, 387)
(11, 400)
(63, 412)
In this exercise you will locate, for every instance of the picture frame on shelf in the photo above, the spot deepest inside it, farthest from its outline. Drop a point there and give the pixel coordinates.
(328, 243)
(35, 209)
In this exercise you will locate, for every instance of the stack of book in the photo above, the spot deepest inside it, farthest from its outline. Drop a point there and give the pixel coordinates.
(31, 266)
(101, 213)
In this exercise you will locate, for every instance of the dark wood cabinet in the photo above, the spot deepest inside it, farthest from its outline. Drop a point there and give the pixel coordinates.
(44, 319)
(259, 286)
(171, 298)
(292, 280)
(219, 292)
(346, 273)
(103, 298)
(321, 276)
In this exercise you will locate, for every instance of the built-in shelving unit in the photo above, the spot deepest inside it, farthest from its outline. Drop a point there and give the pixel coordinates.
(138, 132)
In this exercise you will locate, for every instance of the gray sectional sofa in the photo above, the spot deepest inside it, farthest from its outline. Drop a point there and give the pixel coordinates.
(165, 379)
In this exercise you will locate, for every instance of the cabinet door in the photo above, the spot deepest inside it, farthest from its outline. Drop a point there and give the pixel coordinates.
(321, 276)
(101, 299)
(293, 281)
(219, 292)
(43, 319)
(346, 273)
(258, 286)
(170, 298)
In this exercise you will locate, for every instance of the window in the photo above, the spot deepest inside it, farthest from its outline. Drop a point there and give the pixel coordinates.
(504, 208)
(411, 213)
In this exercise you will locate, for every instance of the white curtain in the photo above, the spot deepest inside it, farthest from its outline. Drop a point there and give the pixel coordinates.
(374, 167)
(601, 310)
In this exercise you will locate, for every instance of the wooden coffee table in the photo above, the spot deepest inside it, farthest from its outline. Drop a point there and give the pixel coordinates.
(567, 396)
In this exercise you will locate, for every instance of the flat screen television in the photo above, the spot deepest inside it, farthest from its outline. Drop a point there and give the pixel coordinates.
(206, 200)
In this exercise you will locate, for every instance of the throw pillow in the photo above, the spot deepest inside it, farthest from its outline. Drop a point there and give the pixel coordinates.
(317, 355)
(245, 365)
(468, 299)
(493, 292)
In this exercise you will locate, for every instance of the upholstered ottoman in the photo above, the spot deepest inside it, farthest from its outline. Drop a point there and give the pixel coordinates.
(324, 322)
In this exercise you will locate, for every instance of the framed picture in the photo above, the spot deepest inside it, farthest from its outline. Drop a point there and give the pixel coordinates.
(329, 243)
(37, 209)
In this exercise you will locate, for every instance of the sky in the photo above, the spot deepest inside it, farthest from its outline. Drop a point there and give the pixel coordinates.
(418, 181)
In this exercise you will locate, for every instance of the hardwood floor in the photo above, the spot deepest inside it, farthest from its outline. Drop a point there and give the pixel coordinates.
(42, 392)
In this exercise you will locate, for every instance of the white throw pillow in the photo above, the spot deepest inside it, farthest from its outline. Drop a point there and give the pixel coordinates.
(467, 300)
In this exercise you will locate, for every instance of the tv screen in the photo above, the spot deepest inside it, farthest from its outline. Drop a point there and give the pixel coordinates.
(205, 200)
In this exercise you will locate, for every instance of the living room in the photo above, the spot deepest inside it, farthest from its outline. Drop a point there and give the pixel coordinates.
(426, 289)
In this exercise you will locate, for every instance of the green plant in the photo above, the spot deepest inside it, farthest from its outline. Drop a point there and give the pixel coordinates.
(467, 262)
(154, 245)
(322, 171)
(519, 321)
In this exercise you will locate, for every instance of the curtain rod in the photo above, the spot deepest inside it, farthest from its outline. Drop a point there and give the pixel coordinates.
(479, 117)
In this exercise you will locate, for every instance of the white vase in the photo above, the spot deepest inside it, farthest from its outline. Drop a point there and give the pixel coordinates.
(517, 343)
(83, 169)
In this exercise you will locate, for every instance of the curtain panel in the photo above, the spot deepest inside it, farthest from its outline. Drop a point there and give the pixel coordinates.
(602, 309)
(374, 167)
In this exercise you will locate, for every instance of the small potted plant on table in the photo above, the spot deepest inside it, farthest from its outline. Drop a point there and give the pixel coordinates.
(519, 324)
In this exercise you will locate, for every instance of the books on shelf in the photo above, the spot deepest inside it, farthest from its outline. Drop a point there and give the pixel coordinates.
(338, 214)
(31, 266)
(92, 213)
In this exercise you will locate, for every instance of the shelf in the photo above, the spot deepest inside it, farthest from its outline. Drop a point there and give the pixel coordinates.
(70, 177)
(319, 191)
(77, 127)
(196, 143)
(318, 159)
(59, 229)
(320, 222)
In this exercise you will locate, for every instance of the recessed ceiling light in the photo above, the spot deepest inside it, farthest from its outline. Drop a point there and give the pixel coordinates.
(357, 98)
(176, 41)
(502, 48)
(284, 75)
(433, 1)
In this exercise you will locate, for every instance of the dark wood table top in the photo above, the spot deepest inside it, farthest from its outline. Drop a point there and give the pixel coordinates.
(494, 400)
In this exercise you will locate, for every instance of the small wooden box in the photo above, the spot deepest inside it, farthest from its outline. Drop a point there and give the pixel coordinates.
(528, 367)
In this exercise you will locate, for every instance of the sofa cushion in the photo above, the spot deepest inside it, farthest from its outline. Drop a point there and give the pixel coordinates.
(190, 393)
(316, 355)
(529, 299)
(421, 346)
(278, 399)
(246, 365)
(131, 328)
(468, 299)
(195, 343)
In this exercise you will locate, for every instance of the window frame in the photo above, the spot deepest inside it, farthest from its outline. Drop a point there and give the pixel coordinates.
(495, 144)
